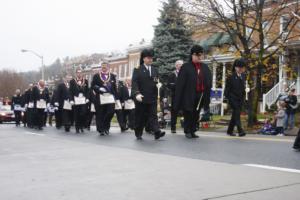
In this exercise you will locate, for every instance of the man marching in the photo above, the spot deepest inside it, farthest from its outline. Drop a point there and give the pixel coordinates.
(128, 105)
(145, 91)
(16, 105)
(79, 92)
(192, 93)
(41, 100)
(62, 102)
(235, 92)
(172, 86)
(104, 85)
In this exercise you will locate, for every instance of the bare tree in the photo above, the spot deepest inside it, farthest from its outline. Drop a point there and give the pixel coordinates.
(254, 28)
(9, 82)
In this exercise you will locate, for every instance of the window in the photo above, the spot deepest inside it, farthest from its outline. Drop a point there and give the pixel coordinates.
(248, 32)
(284, 20)
(266, 27)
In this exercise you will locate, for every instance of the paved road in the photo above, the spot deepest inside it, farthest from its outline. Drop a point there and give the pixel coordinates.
(55, 165)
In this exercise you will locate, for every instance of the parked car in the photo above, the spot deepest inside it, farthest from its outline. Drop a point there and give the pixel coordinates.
(6, 114)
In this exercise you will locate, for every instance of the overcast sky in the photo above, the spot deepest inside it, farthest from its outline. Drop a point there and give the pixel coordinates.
(60, 28)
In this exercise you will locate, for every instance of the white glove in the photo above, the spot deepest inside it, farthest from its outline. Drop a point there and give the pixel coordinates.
(165, 100)
(102, 89)
(48, 105)
(26, 105)
(139, 97)
(72, 103)
(56, 104)
(123, 104)
(86, 101)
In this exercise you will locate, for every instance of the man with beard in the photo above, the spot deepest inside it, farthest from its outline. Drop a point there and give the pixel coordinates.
(79, 92)
(104, 85)
(145, 92)
(192, 92)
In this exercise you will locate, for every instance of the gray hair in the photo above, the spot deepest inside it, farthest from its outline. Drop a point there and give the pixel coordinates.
(179, 62)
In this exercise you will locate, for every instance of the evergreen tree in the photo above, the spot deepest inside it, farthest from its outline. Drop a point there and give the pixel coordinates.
(172, 38)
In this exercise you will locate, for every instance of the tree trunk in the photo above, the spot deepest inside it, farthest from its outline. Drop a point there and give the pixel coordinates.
(253, 107)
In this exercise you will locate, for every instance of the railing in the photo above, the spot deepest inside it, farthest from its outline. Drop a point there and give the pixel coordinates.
(270, 97)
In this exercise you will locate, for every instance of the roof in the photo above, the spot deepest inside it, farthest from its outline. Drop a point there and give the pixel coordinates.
(216, 39)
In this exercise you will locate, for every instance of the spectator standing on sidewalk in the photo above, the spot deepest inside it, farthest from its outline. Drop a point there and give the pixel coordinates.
(280, 119)
(291, 106)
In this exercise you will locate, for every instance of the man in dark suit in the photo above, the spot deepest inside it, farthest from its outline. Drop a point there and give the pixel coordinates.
(41, 99)
(192, 92)
(16, 106)
(172, 86)
(79, 89)
(104, 83)
(145, 92)
(235, 92)
(128, 110)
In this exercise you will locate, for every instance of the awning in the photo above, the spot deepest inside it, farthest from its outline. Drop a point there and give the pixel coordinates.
(216, 39)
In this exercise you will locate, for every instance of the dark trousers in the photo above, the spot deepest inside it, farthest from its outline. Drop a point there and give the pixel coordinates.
(79, 116)
(128, 116)
(146, 113)
(90, 116)
(191, 118)
(18, 117)
(66, 116)
(30, 117)
(58, 118)
(39, 117)
(235, 120)
(104, 115)
(297, 141)
(173, 118)
(120, 118)
(24, 118)
(45, 118)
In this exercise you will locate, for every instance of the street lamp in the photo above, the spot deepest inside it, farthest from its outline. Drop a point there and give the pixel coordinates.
(39, 56)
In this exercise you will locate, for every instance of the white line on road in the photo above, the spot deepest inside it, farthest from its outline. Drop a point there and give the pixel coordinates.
(31, 133)
(273, 168)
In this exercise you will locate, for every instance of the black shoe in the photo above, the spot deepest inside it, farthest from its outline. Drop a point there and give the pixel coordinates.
(242, 134)
(82, 131)
(77, 130)
(159, 134)
(88, 128)
(102, 133)
(139, 138)
(67, 129)
(173, 131)
(124, 129)
(189, 135)
(231, 134)
(40, 128)
(194, 135)
(296, 148)
(106, 132)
